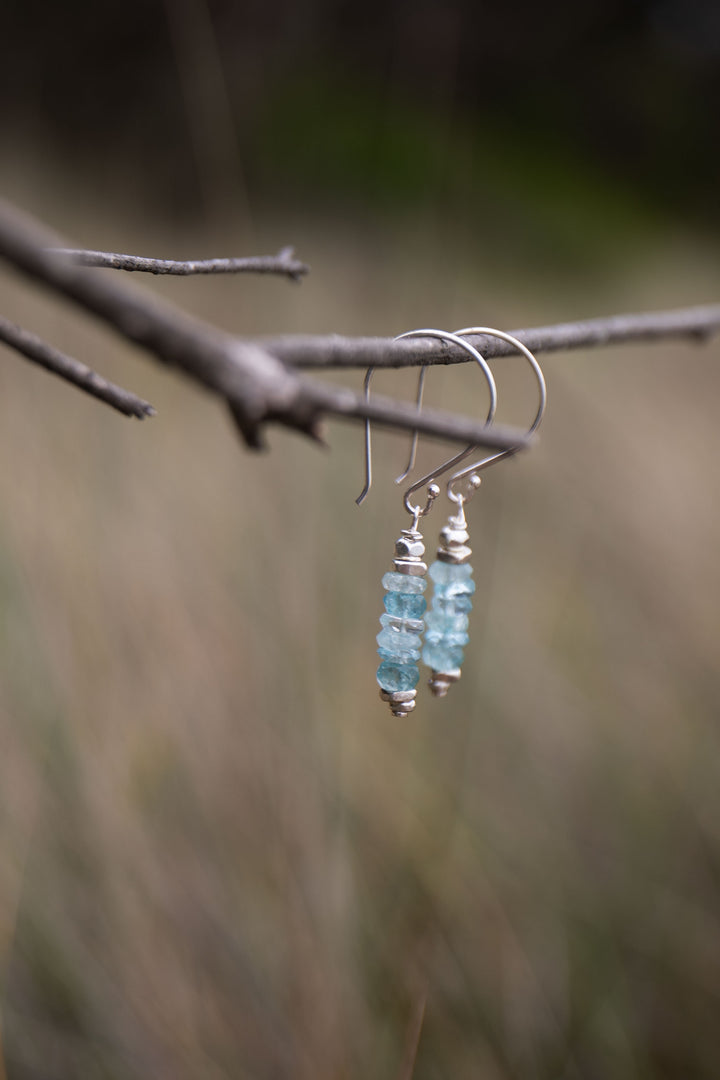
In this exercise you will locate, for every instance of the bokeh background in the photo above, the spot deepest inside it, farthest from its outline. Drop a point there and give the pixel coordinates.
(220, 856)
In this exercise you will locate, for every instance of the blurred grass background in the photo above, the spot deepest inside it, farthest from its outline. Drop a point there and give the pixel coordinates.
(221, 858)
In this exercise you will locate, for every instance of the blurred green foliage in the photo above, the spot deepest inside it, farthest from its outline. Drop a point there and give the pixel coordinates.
(515, 187)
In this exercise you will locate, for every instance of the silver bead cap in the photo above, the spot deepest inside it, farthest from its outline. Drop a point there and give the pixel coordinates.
(401, 702)
(441, 681)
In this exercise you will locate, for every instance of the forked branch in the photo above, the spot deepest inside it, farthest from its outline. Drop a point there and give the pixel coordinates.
(260, 379)
(256, 385)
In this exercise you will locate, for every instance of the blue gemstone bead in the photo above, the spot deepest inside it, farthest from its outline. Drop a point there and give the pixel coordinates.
(394, 643)
(411, 626)
(392, 675)
(446, 629)
(402, 658)
(405, 605)
(403, 583)
(451, 589)
(443, 637)
(400, 640)
(452, 579)
(452, 605)
(443, 573)
(445, 622)
(442, 658)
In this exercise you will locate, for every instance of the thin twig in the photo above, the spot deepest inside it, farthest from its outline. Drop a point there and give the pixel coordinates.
(335, 351)
(283, 263)
(403, 415)
(80, 375)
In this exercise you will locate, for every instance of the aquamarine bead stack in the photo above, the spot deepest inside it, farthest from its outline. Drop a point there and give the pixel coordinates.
(400, 640)
(446, 633)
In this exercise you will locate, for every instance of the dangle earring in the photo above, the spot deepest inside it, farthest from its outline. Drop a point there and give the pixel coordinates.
(447, 620)
(400, 640)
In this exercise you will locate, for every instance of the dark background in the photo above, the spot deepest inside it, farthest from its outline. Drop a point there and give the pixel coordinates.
(376, 100)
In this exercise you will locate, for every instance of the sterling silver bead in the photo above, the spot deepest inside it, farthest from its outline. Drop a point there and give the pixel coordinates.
(401, 702)
(409, 549)
(441, 681)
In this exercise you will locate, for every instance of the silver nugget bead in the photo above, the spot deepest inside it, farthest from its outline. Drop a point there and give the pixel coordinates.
(441, 681)
(453, 547)
(409, 549)
(406, 547)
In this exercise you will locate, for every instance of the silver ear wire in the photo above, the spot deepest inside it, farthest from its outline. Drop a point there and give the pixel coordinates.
(414, 438)
(471, 470)
(368, 451)
(417, 511)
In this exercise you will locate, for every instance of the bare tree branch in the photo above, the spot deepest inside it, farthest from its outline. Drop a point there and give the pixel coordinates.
(402, 415)
(257, 386)
(259, 379)
(335, 351)
(80, 375)
(283, 263)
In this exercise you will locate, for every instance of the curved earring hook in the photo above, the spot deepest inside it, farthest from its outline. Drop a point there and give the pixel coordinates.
(492, 459)
(368, 451)
(455, 459)
(417, 511)
(414, 438)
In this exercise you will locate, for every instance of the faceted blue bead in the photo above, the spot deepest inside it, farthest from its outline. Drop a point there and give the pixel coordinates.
(447, 621)
(452, 605)
(440, 637)
(444, 622)
(400, 640)
(392, 675)
(443, 573)
(405, 605)
(444, 628)
(452, 579)
(411, 626)
(442, 658)
(401, 646)
(403, 658)
(403, 583)
(448, 589)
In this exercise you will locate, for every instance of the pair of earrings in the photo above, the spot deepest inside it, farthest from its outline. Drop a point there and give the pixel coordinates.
(409, 631)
